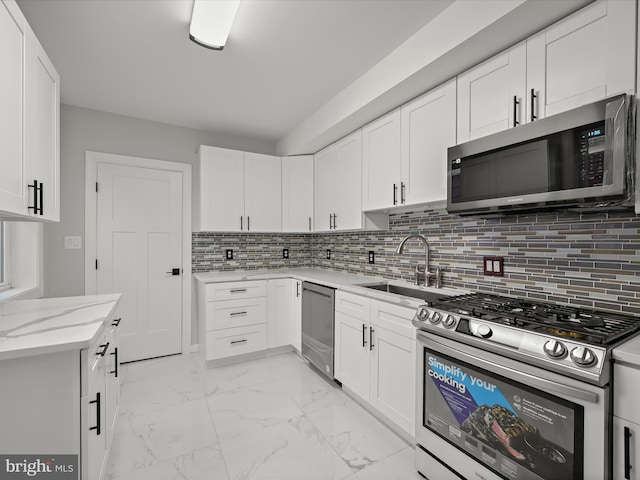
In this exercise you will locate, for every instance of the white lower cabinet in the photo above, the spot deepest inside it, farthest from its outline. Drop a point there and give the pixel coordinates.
(375, 355)
(280, 309)
(63, 403)
(297, 316)
(626, 422)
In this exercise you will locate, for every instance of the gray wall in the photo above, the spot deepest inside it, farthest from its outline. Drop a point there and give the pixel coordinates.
(81, 130)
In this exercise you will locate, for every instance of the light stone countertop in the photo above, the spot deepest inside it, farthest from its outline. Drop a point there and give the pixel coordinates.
(628, 352)
(50, 325)
(346, 282)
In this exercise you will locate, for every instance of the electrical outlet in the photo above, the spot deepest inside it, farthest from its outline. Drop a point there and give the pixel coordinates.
(328, 254)
(493, 266)
(372, 256)
(72, 242)
(229, 255)
(285, 253)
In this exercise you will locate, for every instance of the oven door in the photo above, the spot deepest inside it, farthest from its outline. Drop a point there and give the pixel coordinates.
(480, 415)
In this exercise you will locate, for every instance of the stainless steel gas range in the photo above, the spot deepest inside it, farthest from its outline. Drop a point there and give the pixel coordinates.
(510, 388)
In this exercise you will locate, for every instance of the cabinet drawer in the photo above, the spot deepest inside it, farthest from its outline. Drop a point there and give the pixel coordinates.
(394, 318)
(236, 313)
(236, 341)
(626, 391)
(353, 305)
(235, 290)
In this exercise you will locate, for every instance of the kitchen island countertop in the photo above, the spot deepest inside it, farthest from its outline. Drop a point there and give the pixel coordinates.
(49, 325)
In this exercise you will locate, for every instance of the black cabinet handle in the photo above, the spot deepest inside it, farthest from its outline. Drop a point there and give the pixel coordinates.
(364, 335)
(116, 321)
(395, 194)
(115, 352)
(236, 314)
(248, 220)
(330, 218)
(371, 345)
(627, 454)
(241, 225)
(97, 402)
(515, 111)
(238, 290)
(233, 342)
(104, 347)
(335, 224)
(402, 193)
(533, 104)
(309, 223)
(37, 198)
(297, 289)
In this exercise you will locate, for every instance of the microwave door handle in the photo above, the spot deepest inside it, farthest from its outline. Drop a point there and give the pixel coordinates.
(520, 376)
(615, 142)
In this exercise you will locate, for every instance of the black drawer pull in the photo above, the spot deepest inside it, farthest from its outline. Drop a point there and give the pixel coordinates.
(116, 321)
(364, 335)
(238, 290)
(234, 342)
(234, 314)
(104, 347)
(115, 352)
(371, 345)
(627, 454)
(97, 402)
(515, 111)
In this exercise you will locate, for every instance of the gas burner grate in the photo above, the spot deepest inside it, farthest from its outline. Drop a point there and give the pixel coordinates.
(593, 326)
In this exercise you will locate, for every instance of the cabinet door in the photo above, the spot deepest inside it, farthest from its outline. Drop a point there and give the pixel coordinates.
(280, 310)
(351, 362)
(12, 160)
(262, 192)
(348, 213)
(381, 162)
(562, 78)
(42, 131)
(324, 188)
(112, 384)
(297, 193)
(221, 190)
(487, 95)
(626, 449)
(297, 316)
(96, 423)
(392, 379)
(428, 129)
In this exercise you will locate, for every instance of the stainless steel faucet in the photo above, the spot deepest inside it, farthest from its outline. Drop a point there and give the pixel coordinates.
(422, 271)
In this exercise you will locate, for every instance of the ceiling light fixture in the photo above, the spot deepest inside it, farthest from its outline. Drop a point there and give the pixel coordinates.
(211, 22)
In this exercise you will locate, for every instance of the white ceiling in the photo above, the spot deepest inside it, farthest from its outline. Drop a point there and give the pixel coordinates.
(283, 61)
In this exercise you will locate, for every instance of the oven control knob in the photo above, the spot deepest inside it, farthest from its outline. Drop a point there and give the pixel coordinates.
(435, 317)
(555, 349)
(422, 314)
(583, 357)
(485, 331)
(449, 321)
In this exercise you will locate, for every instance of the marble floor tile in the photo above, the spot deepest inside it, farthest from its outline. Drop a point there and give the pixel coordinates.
(310, 391)
(187, 364)
(204, 464)
(243, 411)
(358, 437)
(293, 450)
(229, 378)
(142, 440)
(159, 392)
(399, 466)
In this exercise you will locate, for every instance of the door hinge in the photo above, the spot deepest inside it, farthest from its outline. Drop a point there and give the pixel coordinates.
(96, 263)
(96, 187)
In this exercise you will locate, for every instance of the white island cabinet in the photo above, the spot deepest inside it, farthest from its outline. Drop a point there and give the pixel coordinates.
(60, 378)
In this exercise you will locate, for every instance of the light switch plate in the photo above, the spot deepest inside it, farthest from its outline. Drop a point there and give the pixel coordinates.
(229, 254)
(72, 242)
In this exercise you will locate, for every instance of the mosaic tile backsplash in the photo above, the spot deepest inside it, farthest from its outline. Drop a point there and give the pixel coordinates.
(584, 259)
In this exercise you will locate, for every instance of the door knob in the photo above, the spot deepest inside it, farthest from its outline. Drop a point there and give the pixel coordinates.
(174, 271)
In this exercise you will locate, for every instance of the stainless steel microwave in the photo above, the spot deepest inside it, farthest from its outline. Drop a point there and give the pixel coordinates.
(583, 157)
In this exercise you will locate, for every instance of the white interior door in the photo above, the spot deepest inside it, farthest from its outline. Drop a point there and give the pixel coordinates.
(139, 242)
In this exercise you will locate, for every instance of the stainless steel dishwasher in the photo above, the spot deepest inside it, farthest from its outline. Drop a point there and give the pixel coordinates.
(317, 326)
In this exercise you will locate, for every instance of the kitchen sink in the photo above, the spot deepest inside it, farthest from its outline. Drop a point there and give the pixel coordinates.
(404, 291)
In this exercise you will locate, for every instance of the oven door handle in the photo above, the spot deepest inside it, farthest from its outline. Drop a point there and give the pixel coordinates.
(522, 377)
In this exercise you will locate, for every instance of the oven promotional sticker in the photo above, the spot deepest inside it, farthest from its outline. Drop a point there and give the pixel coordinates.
(515, 432)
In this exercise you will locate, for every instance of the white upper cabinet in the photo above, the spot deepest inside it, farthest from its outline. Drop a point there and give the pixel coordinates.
(42, 132)
(381, 165)
(262, 192)
(428, 129)
(585, 57)
(29, 119)
(238, 191)
(221, 190)
(491, 95)
(348, 214)
(325, 187)
(12, 45)
(338, 185)
(297, 193)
